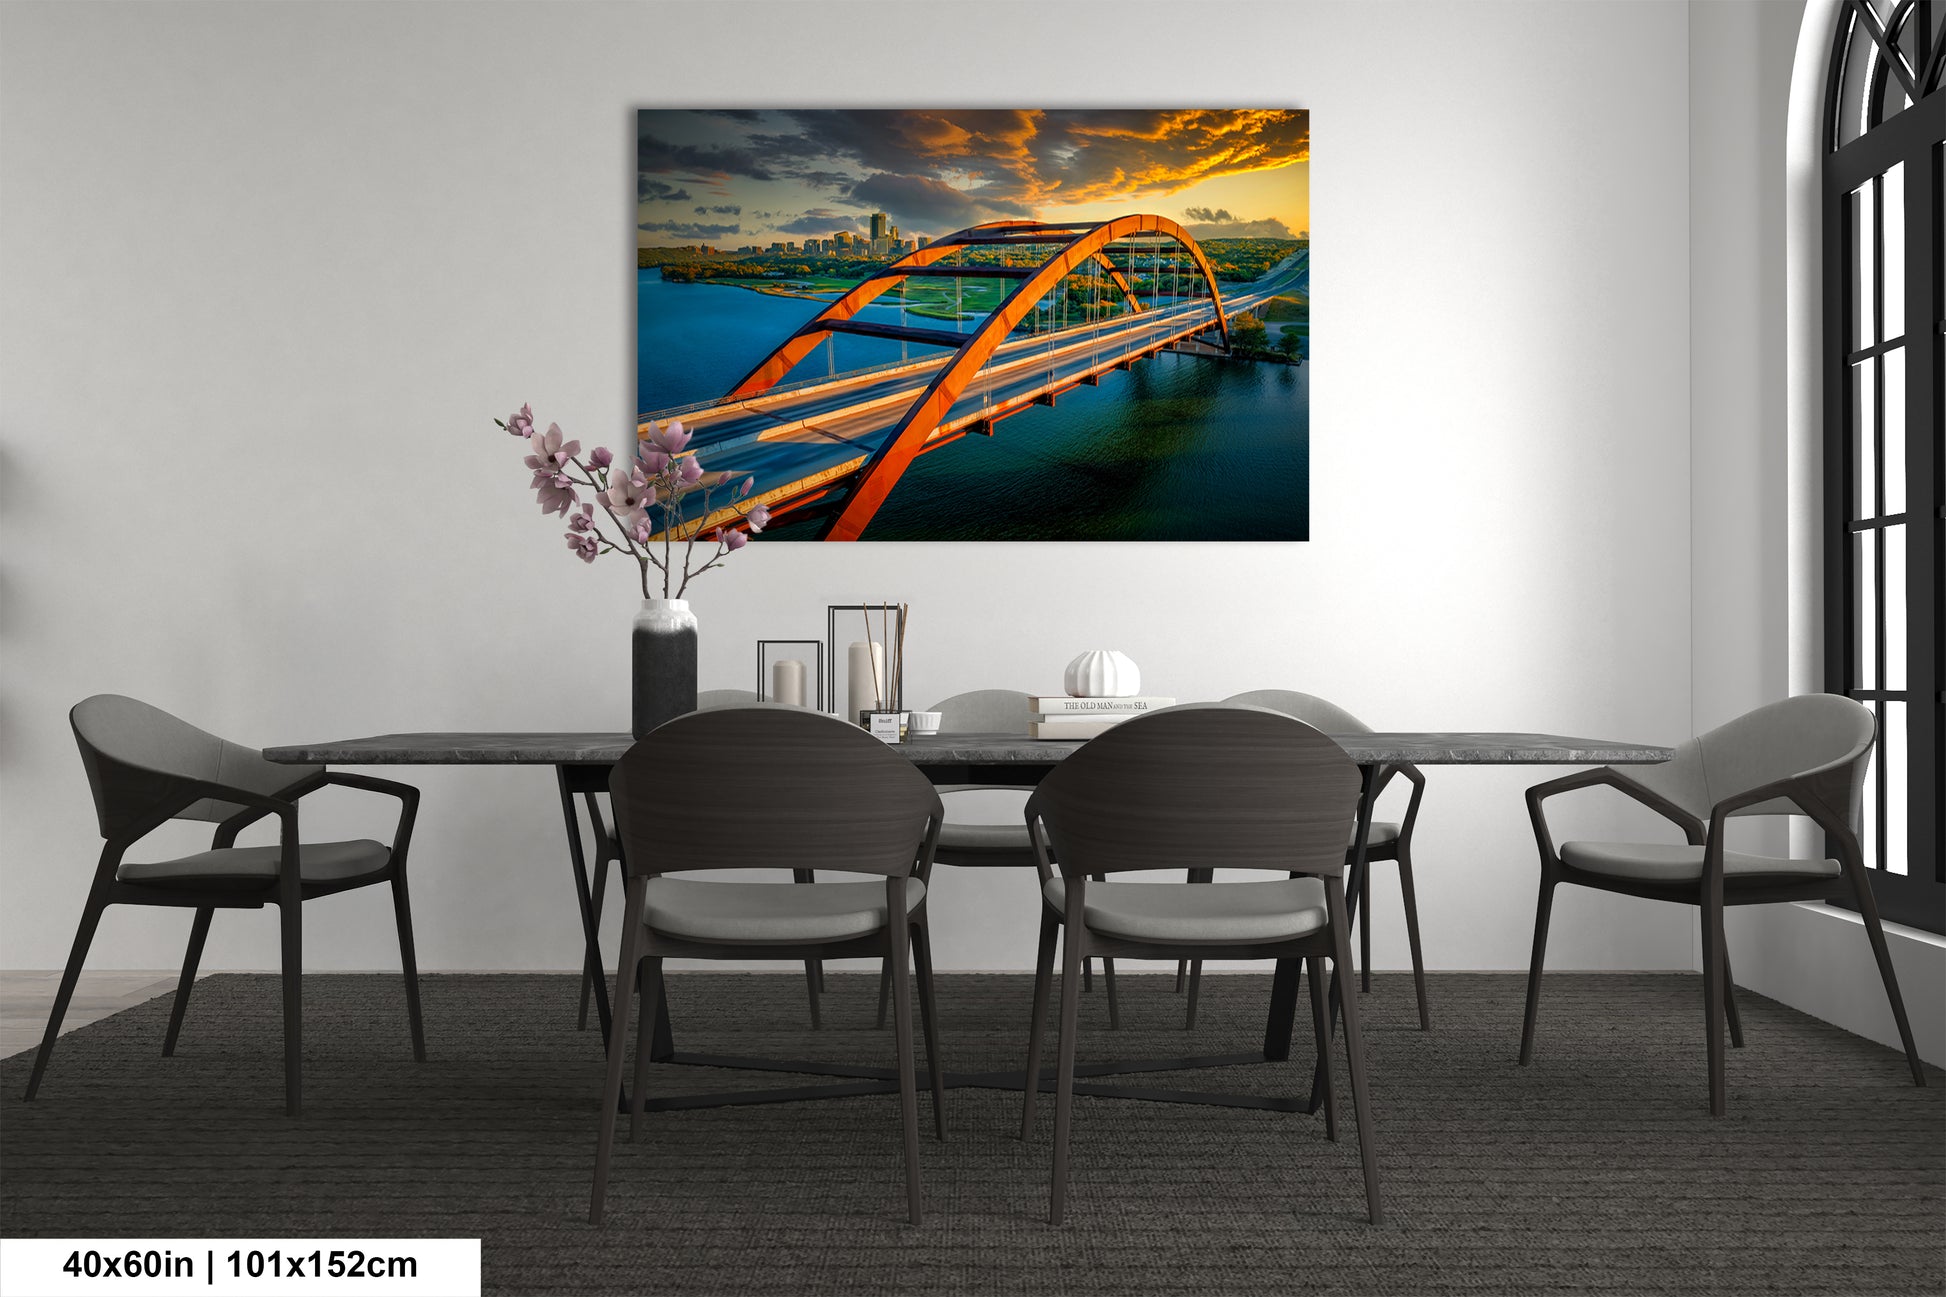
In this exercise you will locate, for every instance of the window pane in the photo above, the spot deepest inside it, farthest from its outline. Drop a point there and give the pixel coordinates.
(1894, 218)
(1862, 279)
(1895, 538)
(1864, 568)
(1864, 460)
(1893, 442)
(1893, 740)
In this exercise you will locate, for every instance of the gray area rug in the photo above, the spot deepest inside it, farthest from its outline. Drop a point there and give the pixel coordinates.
(1596, 1170)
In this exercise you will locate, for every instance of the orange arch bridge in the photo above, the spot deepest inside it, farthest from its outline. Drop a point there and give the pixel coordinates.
(1076, 247)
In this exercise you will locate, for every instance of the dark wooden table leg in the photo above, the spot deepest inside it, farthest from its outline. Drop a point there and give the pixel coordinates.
(584, 894)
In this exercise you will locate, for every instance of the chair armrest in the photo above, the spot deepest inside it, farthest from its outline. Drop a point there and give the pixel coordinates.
(1037, 837)
(408, 805)
(1605, 776)
(1805, 790)
(1413, 776)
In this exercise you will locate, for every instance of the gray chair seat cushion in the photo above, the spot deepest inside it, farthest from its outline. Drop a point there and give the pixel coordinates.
(1199, 912)
(317, 862)
(954, 836)
(1383, 833)
(783, 913)
(1656, 862)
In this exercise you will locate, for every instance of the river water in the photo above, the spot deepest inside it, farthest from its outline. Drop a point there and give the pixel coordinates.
(1178, 448)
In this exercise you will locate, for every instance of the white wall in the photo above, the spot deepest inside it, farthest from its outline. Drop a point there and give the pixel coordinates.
(269, 271)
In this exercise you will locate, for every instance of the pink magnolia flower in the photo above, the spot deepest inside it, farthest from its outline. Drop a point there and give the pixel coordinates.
(583, 519)
(556, 495)
(653, 461)
(642, 531)
(521, 422)
(601, 457)
(552, 450)
(758, 517)
(584, 544)
(691, 471)
(630, 497)
(668, 437)
(731, 540)
(743, 487)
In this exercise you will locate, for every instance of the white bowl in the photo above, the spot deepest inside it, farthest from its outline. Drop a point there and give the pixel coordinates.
(924, 722)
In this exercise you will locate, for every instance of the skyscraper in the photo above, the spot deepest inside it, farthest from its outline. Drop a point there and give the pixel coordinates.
(881, 226)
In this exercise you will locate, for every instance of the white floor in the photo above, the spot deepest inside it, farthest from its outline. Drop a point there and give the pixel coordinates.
(27, 998)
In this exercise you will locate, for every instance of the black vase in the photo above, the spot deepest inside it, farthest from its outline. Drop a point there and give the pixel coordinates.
(663, 664)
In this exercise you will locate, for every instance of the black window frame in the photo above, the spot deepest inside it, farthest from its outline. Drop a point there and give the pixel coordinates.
(1879, 61)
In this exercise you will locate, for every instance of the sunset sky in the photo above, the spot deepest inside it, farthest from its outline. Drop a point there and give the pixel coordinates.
(733, 177)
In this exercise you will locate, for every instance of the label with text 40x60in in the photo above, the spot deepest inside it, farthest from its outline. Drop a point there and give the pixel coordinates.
(380, 1267)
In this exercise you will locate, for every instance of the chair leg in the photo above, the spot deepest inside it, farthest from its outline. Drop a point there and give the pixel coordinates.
(1114, 1006)
(1365, 927)
(1868, 911)
(897, 935)
(1087, 977)
(83, 937)
(1321, 1025)
(409, 961)
(1043, 979)
(1730, 1001)
(1713, 995)
(1182, 974)
(649, 973)
(291, 919)
(1361, 1105)
(198, 933)
(1543, 908)
(884, 989)
(813, 968)
(1412, 934)
(1195, 991)
(929, 1022)
(611, 1094)
(1071, 961)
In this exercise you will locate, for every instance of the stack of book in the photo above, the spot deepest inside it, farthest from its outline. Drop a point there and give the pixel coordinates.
(1083, 718)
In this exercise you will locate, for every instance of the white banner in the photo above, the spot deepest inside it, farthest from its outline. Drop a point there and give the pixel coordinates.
(263, 1267)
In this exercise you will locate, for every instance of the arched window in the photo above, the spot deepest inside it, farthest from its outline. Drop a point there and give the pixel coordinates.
(1884, 207)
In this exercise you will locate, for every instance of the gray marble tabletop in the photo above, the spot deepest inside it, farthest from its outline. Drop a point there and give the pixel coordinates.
(552, 749)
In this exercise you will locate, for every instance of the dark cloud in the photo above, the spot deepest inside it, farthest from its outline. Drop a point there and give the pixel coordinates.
(922, 203)
(734, 114)
(729, 209)
(688, 229)
(649, 189)
(656, 155)
(828, 179)
(1202, 223)
(823, 220)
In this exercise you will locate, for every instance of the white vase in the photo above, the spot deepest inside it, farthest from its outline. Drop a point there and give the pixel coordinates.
(1103, 673)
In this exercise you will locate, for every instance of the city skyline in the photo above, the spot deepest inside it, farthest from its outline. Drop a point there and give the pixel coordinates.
(737, 178)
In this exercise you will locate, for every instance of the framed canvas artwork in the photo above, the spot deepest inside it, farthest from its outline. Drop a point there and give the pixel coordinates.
(983, 325)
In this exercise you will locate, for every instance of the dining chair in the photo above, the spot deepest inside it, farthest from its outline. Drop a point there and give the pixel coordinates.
(1803, 756)
(772, 788)
(992, 846)
(1386, 841)
(1225, 786)
(146, 767)
(607, 851)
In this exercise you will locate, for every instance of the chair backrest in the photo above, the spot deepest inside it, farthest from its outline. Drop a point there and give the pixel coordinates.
(724, 698)
(134, 754)
(771, 788)
(1325, 717)
(1773, 742)
(1209, 785)
(985, 711)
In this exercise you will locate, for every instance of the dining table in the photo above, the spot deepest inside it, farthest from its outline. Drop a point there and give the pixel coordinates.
(582, 762)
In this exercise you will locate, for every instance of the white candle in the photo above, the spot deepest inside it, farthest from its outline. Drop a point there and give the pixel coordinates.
(787, 682)
(867, 674)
